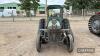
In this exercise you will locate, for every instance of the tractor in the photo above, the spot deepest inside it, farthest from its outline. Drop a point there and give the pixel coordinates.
(94, 24)
(55, 29)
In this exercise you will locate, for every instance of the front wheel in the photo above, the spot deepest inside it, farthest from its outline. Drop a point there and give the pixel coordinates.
(38, 44)
(40, 34)
(69, 42)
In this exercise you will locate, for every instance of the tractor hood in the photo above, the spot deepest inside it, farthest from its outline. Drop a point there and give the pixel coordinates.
(54, 24)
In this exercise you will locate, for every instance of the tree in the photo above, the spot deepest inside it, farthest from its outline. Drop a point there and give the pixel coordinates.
(96, 5)
(35, 6)
(28, 5)
(80, 4)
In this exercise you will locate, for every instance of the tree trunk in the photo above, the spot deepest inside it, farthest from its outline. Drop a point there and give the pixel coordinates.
(34, 13)
(82, 12)
(28, 14)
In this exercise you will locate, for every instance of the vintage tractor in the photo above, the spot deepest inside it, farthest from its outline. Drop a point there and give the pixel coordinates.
(94, 24)
(55, 29)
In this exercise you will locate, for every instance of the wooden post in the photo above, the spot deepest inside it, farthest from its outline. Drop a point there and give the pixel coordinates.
(13, 15)
(46, 9)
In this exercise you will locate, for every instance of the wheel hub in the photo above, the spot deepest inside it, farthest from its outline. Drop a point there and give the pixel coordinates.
(96, 25)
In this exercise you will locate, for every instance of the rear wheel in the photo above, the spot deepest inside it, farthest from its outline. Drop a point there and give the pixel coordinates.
(65, 24)
(94, 24)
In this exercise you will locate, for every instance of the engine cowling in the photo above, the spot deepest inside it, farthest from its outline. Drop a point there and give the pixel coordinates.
(54, 24)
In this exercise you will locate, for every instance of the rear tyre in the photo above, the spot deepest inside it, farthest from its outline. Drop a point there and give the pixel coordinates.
(65, 24)
(42, 26)
(94, 24)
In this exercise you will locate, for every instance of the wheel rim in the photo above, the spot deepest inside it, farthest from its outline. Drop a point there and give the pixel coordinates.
(96, 26)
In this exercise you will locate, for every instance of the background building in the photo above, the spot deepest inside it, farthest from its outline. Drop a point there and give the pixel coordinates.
(41, 10)
(12, 9)
(9, 9)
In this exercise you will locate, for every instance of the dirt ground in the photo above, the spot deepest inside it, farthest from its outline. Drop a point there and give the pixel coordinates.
(19, 39)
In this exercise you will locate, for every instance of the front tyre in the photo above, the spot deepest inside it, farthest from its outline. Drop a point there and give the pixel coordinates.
(38, 44)
(40, 34)
(70, 43)
(94, 24)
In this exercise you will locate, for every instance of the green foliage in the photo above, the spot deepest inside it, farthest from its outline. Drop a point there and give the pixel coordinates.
(83, 4)
(28, 5)
(96, 5)
(35, 4)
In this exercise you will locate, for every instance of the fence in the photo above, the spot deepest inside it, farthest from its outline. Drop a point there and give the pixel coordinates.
(76, 15)
(15, 19)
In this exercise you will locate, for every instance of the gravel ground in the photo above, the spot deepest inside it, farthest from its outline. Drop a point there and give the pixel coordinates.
(19, 39)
